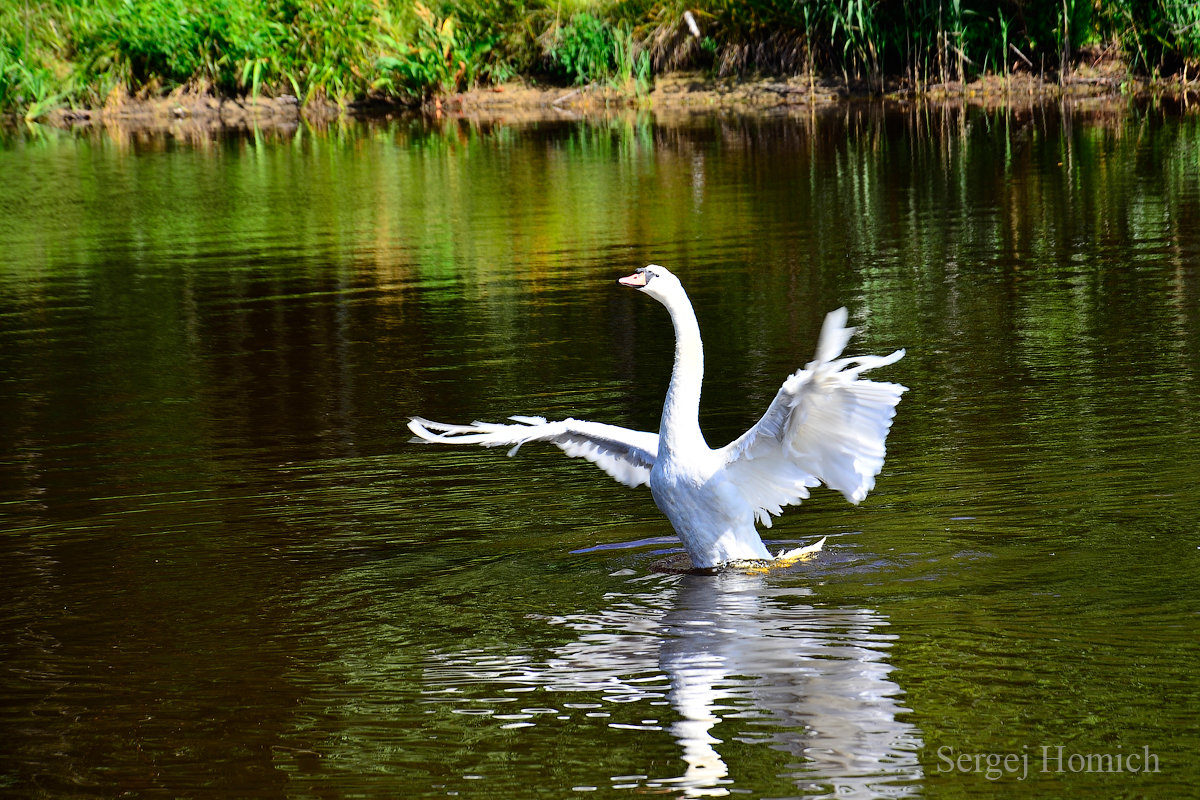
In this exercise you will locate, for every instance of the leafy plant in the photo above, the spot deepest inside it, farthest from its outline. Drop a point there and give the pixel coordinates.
(583, 49)
(31, 87)
(436, 61)
(590, 50)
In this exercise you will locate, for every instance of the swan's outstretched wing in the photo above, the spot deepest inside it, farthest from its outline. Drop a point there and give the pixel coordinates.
(824, 426)
(624, 454)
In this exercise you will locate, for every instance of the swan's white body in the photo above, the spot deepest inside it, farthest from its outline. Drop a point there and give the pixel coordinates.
(825, 425)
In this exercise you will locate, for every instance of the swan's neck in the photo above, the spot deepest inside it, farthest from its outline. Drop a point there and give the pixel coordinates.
(680, 425)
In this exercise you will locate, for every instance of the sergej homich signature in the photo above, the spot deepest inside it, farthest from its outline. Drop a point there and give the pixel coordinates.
(1054, 759)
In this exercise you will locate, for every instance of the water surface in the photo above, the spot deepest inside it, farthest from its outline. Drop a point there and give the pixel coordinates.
(227, 572)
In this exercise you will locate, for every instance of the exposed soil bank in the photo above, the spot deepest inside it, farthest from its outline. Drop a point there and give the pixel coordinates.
(678, 92)
(196, 108)
(698, 92)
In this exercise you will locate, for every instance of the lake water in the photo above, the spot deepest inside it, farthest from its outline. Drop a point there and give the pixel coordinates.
(228, 573)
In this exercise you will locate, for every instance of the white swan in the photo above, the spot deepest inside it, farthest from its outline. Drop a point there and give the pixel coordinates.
(824, 426)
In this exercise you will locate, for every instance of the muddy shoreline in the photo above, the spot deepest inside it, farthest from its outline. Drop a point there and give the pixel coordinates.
(683, 93)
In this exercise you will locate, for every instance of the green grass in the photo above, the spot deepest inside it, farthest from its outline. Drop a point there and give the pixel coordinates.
(82, 52)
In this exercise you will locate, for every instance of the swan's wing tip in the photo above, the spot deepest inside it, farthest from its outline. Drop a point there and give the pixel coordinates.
(625, 455)
(834, 336)
(423, 428)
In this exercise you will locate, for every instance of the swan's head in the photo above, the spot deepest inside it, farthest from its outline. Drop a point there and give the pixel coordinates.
(656, 281)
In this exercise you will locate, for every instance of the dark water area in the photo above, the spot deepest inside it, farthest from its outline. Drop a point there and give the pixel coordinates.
(227, 572)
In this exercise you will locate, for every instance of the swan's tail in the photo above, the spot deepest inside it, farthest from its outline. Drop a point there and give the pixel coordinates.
(786, 558)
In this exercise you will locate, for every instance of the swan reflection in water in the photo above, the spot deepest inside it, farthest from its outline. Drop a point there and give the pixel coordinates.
(737, 658)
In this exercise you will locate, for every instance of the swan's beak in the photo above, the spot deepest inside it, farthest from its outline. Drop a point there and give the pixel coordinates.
(637, 280)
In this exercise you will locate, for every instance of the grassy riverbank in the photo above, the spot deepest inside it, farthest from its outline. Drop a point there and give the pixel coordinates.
(92, 53)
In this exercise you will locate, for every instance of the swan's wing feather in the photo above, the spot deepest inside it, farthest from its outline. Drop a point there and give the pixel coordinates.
(825, 425)
(624, 454)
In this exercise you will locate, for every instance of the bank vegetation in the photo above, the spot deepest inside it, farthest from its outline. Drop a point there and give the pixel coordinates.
(57, 54)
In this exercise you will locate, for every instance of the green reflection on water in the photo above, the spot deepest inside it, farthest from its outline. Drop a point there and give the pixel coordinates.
(208, 349)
